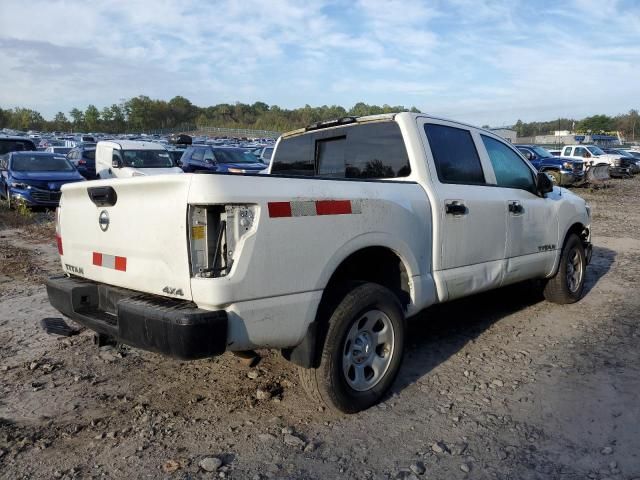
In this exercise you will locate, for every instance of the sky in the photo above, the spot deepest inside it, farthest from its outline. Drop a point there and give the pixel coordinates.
(480, 61)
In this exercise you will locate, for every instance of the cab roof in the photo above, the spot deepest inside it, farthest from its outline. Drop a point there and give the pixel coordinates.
(132, 145)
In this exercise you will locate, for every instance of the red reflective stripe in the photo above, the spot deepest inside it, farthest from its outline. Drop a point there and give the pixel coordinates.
(59, 242)
(97, 259)
(279, 209)
(121, 264)
(333, 207)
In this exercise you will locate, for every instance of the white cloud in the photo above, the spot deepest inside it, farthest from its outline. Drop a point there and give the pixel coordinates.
(485, 61)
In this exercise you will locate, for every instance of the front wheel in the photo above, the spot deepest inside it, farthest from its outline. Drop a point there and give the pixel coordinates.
(362, 351)
(567, 285)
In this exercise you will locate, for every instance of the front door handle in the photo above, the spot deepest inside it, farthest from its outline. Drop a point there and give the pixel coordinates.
(516, 208)
(455, 208)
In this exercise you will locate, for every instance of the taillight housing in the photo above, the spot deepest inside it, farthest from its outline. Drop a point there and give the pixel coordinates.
(58, 234)
(216, 235)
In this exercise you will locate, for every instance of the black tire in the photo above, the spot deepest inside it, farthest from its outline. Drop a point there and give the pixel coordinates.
(365, 304)
(559, 288)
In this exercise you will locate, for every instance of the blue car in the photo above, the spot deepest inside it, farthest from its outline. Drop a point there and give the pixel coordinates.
(207, 158)
(35, 178)
(563, 171)
(83, 158)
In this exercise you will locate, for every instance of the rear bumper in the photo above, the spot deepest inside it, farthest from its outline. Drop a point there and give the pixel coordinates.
(172, 327)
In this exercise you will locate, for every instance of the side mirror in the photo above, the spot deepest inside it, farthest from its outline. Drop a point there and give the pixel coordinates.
(529, 156)
(116, 162)
(543, 183)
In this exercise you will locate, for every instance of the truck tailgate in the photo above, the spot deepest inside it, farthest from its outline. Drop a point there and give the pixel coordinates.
(139, 242)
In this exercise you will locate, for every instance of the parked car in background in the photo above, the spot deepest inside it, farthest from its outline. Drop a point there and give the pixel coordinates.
(176, 154)
(83, 158)
(35, 178)
(632, 160)
(266, 154)
(16, 144)
(129, 158)
(563, 171)
(594, 155)
(220, 159)
(57, 149)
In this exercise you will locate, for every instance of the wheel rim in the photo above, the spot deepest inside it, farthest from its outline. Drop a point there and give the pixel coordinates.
(575, 270)
(367, 351)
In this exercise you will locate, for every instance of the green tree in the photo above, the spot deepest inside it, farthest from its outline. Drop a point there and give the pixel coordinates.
(60, 122)
(92, 118)
(78, 119)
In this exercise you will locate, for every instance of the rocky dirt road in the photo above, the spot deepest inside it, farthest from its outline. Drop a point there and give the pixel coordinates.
(498, 386)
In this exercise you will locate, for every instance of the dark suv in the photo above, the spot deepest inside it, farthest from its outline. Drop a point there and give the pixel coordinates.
(220, 159)
(563, 171)
(83, 158)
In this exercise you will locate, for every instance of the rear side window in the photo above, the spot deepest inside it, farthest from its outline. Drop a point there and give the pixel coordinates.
(368, 151)
(454, 154)
(567, 151)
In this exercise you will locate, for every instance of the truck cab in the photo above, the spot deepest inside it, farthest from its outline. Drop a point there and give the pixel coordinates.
(128, 158)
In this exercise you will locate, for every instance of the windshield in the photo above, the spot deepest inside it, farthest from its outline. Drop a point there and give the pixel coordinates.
(146, 159)
(234, 155)
(40, 163)
(595, 150)
(542, 152)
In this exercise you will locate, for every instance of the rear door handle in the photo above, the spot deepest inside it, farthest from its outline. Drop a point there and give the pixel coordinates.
(516, 207)
(455, 208)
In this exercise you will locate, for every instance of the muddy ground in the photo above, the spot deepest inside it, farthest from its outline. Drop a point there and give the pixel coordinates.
(498, 386)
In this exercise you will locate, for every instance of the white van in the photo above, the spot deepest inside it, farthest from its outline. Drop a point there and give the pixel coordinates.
(128, 158)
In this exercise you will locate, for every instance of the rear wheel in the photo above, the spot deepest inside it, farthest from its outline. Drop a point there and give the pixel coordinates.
(567, 285)
(362, 351)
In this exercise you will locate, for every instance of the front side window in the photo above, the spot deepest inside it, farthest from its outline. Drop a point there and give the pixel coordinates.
(454, 154)
(511, 171)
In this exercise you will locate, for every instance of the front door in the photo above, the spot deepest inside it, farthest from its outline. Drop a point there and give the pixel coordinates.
(532, 220)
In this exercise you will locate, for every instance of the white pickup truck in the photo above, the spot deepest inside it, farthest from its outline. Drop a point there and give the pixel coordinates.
(593, 155)
(362, 223)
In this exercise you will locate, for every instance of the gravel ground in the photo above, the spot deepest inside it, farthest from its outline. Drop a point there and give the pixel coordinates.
(500, 386)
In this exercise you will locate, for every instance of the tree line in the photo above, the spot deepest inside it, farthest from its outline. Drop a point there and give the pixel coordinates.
(144, 114)
(628, 124)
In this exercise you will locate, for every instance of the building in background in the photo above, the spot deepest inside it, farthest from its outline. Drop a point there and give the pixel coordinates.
(506, 133)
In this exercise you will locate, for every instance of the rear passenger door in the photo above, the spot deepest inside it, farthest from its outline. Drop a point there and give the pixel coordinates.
(469, 212)
(532, 220)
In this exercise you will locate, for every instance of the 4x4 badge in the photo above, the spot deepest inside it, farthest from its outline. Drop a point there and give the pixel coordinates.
(103, 220)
